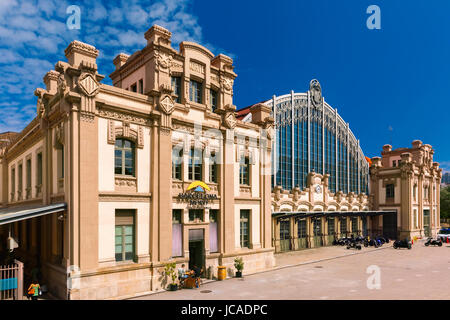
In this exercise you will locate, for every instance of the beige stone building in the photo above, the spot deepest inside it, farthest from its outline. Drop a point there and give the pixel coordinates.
(406, 180)
(108, 183)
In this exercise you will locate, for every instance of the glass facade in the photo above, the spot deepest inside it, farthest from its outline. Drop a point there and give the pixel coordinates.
(313, 137)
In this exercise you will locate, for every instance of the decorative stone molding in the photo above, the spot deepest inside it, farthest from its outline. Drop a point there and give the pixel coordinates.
(166, 104)
(277, 190)
(59, 133)
(230, 120)
(245, 190)
(40, 106)
(80, 47)
(62, 85)
(88, 84)
(124, 117)
(197, 67)
(87, 117)
(163, 61)
(226, 84)
(111, 132)
(316, 92)
(126, 132)
(125, 181)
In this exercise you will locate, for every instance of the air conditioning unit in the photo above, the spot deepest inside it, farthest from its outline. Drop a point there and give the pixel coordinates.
(11, 244)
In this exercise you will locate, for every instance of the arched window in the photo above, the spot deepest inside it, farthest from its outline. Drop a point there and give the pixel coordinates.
(124, 157)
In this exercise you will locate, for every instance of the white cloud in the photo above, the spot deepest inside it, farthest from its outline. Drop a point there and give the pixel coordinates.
(7, 56)
(33, 36)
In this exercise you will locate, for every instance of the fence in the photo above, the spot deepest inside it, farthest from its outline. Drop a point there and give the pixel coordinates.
(11, 281)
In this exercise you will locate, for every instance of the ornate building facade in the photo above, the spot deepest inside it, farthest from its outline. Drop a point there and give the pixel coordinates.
(407, 181)
(153, 169)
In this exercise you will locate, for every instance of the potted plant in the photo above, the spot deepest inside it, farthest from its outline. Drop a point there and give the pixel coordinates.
(239, 265)
(169, 271)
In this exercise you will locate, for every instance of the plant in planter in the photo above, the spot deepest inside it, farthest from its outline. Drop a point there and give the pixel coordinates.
(169, 271)
(239, 265)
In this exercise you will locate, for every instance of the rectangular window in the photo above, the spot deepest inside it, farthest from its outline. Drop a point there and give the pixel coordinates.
(60, 161)
(213, 99)
(301, 228)
(134, 87)
(195, 91)
(354, 225)
(195, 215)
(124, 157)
(390, 191)
(416, 224)
(141, 86)
(177, 162)
(394, 163)
(177, 233)
(331, 228)
(213, 240)
(13, 182)
(213, 168)
(176, 86)
(125, 235)
(343, 227)
(20, 178)
(245, 228)
(39, 169)
(28, 186)
(195, 165)
(244, 171)
(28, 173)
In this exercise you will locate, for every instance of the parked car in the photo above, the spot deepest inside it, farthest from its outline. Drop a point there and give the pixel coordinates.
(443, 234)
(434, 242)
(402, 244)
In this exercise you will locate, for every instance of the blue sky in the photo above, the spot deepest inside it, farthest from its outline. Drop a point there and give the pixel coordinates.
(391, 85)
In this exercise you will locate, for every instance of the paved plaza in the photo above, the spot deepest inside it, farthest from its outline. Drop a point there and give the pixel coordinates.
(337, 273)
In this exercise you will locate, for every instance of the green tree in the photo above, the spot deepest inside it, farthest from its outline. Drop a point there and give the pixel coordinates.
(445, 203)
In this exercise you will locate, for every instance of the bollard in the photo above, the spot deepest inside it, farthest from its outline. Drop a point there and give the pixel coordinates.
(221, 273)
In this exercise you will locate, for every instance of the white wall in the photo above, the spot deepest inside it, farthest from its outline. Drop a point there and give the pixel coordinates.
(33, 151)
(254, 224)
(106, 225)
(105, 158)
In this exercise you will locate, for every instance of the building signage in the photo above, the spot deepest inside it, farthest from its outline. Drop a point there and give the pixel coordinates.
(196, 195)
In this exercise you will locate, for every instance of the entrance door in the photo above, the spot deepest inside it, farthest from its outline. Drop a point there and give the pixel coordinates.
(331, 230)
(355, 226)
(390, 226)
(285, 242)
(196, 249)
(301, 229)
(317, 231)
(364, 226)
(343, 227)
(426, 223)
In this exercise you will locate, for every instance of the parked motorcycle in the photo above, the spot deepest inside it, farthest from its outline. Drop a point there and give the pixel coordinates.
(354, 245)
(433, 242)
(383, 239)
(402, 244)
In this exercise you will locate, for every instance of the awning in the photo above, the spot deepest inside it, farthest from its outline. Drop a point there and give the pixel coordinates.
(13, 214)
(331, 214)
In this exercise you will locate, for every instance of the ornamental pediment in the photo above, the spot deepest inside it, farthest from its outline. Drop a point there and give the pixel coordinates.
(88, 84)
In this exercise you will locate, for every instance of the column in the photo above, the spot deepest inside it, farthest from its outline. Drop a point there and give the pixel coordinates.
(227, 194)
